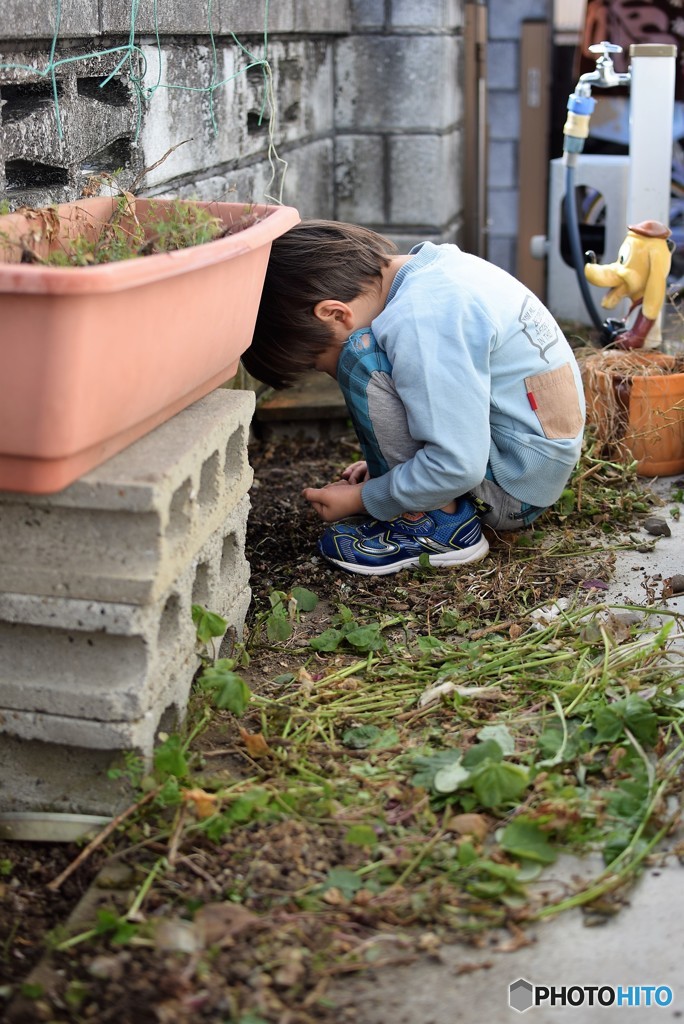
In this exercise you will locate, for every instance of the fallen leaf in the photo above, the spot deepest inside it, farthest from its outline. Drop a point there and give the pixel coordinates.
(469, 825)
(256, 743)
(204, 803)
(217, 924)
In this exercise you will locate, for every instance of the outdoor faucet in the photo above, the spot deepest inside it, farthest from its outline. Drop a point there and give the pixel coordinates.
(581, 103)
(604, 76)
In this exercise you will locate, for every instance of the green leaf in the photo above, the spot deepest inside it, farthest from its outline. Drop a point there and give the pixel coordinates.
(483, 753)
(306, 599)
(566, 503)
(278, 626)
(359, 737)
(450, 778)
(641, 719)
(499, 784)
(428, 644)
(500, 735)
(523, 838)
(169, 758)
(608, 725)
(361, 835)
(633, 712)
(207, 624)
(31, 990)
(366, 638)
(428, 766)
(348, 882)
(231, 692)
(329, 640)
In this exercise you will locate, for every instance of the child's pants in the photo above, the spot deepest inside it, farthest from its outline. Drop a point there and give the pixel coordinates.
(379, 417)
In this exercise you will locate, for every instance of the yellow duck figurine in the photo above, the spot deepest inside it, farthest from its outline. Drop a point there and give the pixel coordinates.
(640, 274)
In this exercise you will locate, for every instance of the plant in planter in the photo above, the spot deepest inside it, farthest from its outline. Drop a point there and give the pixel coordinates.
(94, 353)
(635, 403)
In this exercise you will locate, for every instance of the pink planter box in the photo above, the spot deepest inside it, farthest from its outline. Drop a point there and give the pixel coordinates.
(92, 358)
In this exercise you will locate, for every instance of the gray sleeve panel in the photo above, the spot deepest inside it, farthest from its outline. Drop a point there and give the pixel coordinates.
(388, 417)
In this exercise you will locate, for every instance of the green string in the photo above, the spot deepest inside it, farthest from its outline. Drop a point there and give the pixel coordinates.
(146, 92)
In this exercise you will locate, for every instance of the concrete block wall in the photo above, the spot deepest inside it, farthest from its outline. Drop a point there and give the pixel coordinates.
(97, 644)
(503, 95)
(107, 124)
(398, 119)
(367, 93)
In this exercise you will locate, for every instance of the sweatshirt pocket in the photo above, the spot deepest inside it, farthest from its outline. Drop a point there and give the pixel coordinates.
(553, 397)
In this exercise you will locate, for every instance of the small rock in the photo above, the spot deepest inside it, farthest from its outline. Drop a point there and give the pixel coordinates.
(676, 584)
(657, 527)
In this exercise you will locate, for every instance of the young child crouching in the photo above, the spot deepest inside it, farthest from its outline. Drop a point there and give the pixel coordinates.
(463, 391)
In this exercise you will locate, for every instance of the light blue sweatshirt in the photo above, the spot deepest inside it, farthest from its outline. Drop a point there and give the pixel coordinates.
(487, 378)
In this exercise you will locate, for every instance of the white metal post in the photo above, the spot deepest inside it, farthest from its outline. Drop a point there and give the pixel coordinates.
(653, 67)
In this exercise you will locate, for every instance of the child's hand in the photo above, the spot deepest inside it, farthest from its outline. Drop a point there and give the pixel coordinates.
(357, 473)
(336, 501)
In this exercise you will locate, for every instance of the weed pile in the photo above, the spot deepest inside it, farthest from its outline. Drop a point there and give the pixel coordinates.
(381, 766)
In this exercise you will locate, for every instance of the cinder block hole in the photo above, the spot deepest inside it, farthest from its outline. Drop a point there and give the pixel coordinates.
(229, 555)
(20, 101)
(110, 158)
(291, 113)
(200, 588)
(22, 174)
(180, 510)
(168, 722)
(60, 662)
(235, 453)
(208, 488)
(169, 623)
(256, 122)
(115, 92)
(256, 75)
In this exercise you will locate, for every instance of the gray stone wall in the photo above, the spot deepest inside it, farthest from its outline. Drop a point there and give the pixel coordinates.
(367, 98)
(368, 95)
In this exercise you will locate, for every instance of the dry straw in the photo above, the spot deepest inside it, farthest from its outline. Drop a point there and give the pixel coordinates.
(635, 406)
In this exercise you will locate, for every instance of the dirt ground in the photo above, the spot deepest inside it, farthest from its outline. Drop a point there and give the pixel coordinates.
(240, 941)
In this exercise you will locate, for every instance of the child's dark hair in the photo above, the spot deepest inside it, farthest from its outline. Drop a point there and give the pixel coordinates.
(315, 260)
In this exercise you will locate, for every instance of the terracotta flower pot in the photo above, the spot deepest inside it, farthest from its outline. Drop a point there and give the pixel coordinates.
(635, 403)
(93, 357)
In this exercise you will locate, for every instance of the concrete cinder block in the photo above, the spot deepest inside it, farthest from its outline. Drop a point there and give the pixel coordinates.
(503, 164)
(211, 124)
(97, 121)
(21, 20)
(285, 16)
(503, 212)
(426, 14)
(425, 179)
(106, 663)
(383, 84)
(367, 14)
(123, 532)
(175, 17)
(505, 17)
(504, 115)
(360, 179)
(308, 182)
(503, 65)
(39, 776)
(501, 252)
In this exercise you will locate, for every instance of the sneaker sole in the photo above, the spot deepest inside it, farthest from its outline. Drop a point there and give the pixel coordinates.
(459, 556)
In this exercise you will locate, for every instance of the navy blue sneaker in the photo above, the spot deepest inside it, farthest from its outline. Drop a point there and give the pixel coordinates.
(376, 548)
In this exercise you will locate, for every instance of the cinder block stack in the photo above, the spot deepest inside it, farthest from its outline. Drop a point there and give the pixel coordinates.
(97, 644)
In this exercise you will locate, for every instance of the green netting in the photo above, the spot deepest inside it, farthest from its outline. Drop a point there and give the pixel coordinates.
(144, 91)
